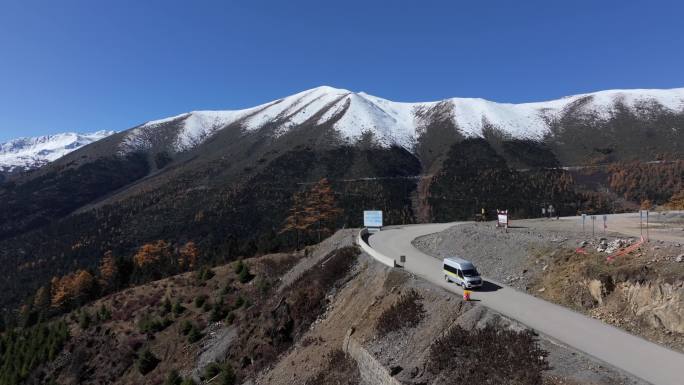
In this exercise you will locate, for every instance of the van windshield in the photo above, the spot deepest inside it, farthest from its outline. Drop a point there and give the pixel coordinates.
(471, 273)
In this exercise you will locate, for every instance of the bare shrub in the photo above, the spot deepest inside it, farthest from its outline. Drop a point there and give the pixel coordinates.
(487, 356)
(406, 313)
(340, 370)
(271, 327)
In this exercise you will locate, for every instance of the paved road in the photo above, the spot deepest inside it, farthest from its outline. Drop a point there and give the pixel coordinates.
(643, 359)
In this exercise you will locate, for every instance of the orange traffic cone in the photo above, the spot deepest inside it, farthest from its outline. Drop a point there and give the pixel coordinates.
(466, 295)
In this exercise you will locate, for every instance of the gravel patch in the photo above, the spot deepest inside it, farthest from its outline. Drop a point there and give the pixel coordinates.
(499, 255)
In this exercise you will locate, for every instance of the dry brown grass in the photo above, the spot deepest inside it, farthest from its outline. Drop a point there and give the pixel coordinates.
(487, 356)
(406, 312)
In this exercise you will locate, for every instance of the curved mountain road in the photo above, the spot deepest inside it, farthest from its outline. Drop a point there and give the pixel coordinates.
(634, 355)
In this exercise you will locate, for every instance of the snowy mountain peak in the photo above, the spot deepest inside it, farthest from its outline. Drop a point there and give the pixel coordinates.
(396, 123)
(32, 152)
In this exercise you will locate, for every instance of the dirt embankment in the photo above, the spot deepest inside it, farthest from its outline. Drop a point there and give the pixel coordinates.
(324, 316)
(641, 292)
(402, 324)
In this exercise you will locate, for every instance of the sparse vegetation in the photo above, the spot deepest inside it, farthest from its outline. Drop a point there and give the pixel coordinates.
(173, 378)
(489, 355)
(84, 320)
(150, 325)
(340, 369)
(266, 334)
(204, 274)
(195, 334)
(225, 373)
(200, 300)
(218, 312)
(146, 362)
(166, 306)
(676, 202)
(407, 312)
(185, 327)
(104, 314)
(242, 270)
(177, 308)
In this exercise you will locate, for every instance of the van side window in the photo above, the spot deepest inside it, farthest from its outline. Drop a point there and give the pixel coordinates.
(450, 269)
(460, 274)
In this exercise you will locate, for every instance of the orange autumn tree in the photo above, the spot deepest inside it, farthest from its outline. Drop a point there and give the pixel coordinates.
(321, 208)
(76, 287)
(150, 254)
(108, 270)
(314, 210)
(188, 254)
(296, 220)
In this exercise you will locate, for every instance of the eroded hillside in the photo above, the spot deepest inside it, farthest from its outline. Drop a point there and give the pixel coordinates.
(326, 315)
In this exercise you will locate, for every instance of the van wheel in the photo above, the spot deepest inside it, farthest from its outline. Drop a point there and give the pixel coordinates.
(446, 278)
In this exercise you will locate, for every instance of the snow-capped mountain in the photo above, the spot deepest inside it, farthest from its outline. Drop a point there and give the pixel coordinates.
(33, 152)
(396, 123)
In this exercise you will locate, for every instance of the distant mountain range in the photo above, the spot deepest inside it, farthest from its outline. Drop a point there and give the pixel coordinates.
(354, 115)
(226, 179)
(33, 152)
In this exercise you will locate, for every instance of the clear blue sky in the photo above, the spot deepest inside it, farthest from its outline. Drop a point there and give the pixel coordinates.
(85, 65)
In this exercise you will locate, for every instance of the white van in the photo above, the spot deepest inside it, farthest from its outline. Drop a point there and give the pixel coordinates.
(461, 272)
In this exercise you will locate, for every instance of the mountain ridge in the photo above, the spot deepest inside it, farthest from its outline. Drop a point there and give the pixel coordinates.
(396, 123)
(355, 114)
(26, 153)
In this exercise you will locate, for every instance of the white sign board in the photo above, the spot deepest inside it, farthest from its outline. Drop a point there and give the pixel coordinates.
(502, 217)
(372, 218)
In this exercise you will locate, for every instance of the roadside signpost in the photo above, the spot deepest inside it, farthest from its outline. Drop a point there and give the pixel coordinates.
(502, 219)
(372, 219)
(584, 218)
(605, 223)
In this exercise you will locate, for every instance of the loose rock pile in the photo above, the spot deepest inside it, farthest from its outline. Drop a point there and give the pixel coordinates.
(614, 245)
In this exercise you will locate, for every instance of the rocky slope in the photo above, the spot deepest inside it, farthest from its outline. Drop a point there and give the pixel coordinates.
(305, 318)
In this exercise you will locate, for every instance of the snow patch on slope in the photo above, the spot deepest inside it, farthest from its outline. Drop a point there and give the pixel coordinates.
(394, 123)
(200, 125)
(33, 152)
(296, 109)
